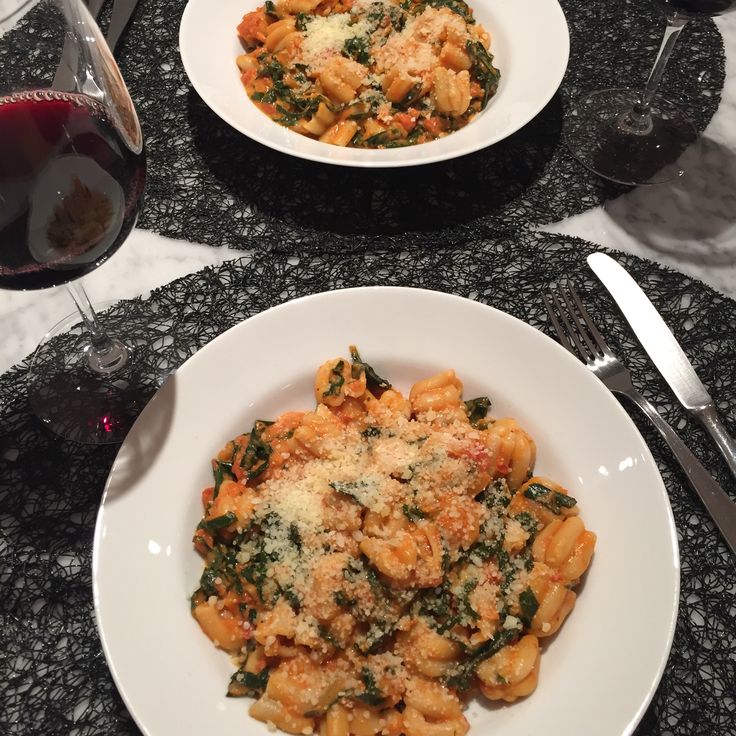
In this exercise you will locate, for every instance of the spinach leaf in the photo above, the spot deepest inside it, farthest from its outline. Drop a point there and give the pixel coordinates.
(413, 513)
(477, 409)
(247, 684)
(462, 677)
(529, 605)
(258, 452)
(336, 379)
(371, 695)
(294, 537)
(348, 488)
(483, 70)
(221, 471)
(457, 6)
(552, 500)
(292, 598)
(357, 48)
(373, 380)
(528, 522)
(218, 522)
(342, 600)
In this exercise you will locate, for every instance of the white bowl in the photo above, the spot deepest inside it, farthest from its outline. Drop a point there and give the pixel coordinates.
(530, 44)
(599, 672)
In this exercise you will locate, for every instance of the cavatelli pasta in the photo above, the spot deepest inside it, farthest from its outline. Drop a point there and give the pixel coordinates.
(367, 73)
(372, 561)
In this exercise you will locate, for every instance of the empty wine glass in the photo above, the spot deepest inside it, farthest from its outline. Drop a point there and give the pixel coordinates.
(636, 136)
(72, 173)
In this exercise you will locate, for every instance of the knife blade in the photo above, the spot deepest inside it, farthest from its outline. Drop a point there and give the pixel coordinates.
(65, 78)
(664, 350)
(122, 10)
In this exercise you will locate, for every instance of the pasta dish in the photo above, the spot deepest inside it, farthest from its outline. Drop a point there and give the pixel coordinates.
(367, 73)
(372, 562)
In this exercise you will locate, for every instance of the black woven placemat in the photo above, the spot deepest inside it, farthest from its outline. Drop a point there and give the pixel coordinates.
(53, 677)
(208, 183)
(211, 184)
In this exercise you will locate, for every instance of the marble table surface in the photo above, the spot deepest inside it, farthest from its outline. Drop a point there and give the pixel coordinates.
(688, 225)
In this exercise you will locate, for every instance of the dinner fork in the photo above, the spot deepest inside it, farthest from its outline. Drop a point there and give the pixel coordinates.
(578, 333)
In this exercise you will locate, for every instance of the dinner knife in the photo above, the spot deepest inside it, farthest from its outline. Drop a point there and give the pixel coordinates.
(663, 349)
(122, 10)
(66, 72)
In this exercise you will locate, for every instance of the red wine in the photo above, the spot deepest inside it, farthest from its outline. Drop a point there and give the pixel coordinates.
(70, 188)
(695, 8)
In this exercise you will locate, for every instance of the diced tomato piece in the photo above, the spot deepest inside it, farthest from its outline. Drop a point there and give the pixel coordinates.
(268, 108)
(207, 494)
(477, 452)
(406, 121)
(203, 541)
(248, 76)
(434, 126)
(252, 29)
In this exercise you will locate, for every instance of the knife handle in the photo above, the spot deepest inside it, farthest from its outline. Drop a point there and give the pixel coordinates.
(121, 14)
(720, 507)
(726, 444)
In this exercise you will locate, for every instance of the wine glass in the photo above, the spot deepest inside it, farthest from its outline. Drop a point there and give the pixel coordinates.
(72, 173)
(636, 136)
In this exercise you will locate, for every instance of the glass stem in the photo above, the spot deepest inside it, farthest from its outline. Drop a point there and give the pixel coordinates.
(639, 120)
(105, 354)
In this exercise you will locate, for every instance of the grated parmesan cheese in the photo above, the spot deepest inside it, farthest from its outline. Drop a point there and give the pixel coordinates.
(325, 37)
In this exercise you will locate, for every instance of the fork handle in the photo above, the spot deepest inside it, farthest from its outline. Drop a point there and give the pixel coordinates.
(720, 507)
(726, 444)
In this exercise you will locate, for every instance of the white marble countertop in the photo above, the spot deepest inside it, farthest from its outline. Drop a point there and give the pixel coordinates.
(689, 225)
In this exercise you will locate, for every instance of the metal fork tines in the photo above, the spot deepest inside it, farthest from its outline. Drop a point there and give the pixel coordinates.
(578, 333)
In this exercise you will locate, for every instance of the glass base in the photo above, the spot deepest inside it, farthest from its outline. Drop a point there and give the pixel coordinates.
(77, 397)
(598, 135)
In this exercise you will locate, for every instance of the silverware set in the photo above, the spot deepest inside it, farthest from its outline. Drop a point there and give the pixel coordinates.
(578, 333)
(65, 78)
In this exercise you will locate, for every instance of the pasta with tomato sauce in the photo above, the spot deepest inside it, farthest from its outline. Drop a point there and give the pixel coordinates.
(367, 73)
(371, 562)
